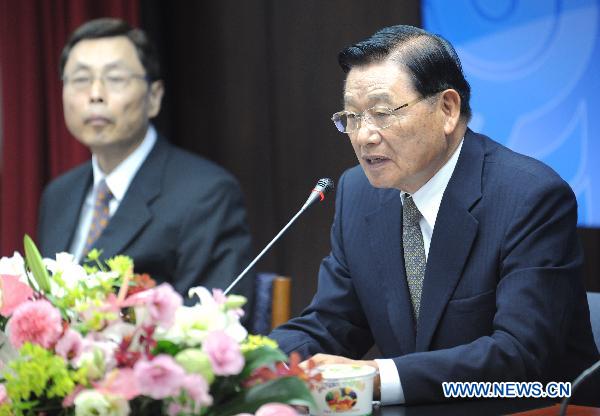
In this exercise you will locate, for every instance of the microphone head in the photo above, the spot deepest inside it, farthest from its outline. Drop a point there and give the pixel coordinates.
(325, 185)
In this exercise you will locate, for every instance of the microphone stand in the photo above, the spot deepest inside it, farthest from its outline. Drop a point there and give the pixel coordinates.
(264, 250)
(323, 186)
(581, 378)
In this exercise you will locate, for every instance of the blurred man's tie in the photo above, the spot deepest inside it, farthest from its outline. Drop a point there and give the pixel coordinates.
(100, 217)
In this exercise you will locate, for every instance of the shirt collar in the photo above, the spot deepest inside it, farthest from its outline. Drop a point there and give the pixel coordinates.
(119, 179)
(429, 197)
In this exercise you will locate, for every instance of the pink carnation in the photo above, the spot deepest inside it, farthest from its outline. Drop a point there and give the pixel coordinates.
(224, 353)
(70, 345)
(162, 302)
(160, 378)
(276, 409)
(37, 322)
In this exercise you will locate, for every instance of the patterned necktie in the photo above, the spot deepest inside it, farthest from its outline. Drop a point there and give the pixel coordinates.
(100, 217)
(414, 251)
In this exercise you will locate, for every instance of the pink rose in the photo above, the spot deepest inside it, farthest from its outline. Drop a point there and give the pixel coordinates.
(120, 382)
(70, 345)
(160, 378)
(37, 322)
(276, 409)
(174, 409)
(3, 394)
(197, 388)
(219, 297)
(70, 399)
(224, 353)
(162, 302)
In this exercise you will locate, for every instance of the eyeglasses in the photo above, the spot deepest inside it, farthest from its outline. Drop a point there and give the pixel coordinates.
(380, 117)
(115, 82)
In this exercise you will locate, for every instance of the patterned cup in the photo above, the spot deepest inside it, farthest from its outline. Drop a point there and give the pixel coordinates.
(345, 389)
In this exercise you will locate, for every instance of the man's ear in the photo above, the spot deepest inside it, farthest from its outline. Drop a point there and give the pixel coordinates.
(450, 106)
(155, 96)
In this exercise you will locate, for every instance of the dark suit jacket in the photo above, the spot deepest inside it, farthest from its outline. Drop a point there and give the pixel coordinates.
(182, 220)
(503, 297)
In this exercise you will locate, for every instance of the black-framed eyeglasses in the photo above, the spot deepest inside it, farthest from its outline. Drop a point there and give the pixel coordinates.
(115, 82)
(380, 117)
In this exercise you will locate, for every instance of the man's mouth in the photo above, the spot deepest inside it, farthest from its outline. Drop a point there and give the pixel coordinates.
(375, 160)
(97, 120)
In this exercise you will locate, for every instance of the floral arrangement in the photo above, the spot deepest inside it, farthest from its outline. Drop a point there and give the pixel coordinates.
(101, 340)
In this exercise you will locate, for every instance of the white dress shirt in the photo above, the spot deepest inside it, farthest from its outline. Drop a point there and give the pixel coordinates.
(117, 181)
(427, 199)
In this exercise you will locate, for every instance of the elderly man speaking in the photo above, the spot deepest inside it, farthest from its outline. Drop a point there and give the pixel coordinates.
(457, 257)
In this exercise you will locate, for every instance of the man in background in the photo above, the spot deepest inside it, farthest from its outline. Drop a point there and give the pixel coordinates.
(457, 257)
(180, 217)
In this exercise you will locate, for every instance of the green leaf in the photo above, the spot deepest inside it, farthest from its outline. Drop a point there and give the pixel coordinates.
(261, 357)
(166, 347)
(34, 261)
(288, 390)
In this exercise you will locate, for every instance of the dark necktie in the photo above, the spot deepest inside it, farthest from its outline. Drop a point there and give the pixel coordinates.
(414, 251)
(100, 217)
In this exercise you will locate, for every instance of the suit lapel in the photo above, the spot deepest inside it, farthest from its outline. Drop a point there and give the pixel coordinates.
(134, 213)
(453, 235)
(385, 235)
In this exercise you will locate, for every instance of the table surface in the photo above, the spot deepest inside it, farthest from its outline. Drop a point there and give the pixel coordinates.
(571, 411)
(467, 407)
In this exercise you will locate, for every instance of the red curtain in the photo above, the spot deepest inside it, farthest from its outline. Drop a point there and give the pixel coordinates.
(35, 143)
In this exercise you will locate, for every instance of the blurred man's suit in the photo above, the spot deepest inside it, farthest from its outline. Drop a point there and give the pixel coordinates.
(502, 299)
(182, 219)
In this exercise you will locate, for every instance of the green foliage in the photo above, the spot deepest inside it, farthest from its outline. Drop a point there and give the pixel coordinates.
(290, 390)
(120, 264)
(260, 357)
(167, 347)
(39, 374)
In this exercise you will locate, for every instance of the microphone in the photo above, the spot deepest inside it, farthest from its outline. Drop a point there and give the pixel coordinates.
(323, 186)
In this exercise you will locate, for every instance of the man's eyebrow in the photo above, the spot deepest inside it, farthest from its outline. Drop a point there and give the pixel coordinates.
(115, 65)
(379, 96)
(373, 97)
(79, 66)
(118, 64)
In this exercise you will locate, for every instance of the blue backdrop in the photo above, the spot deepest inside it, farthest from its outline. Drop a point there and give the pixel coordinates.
(534, 69)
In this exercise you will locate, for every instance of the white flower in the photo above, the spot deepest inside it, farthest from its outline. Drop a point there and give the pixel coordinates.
(192, 323)
(203, 295)
(69, 270)
(94, 403)
(14, 266)
(118, 330)
(98, 357)
(97, 278)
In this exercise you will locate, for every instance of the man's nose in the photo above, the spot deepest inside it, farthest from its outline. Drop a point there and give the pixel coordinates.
(367, 134)
(97, 90)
